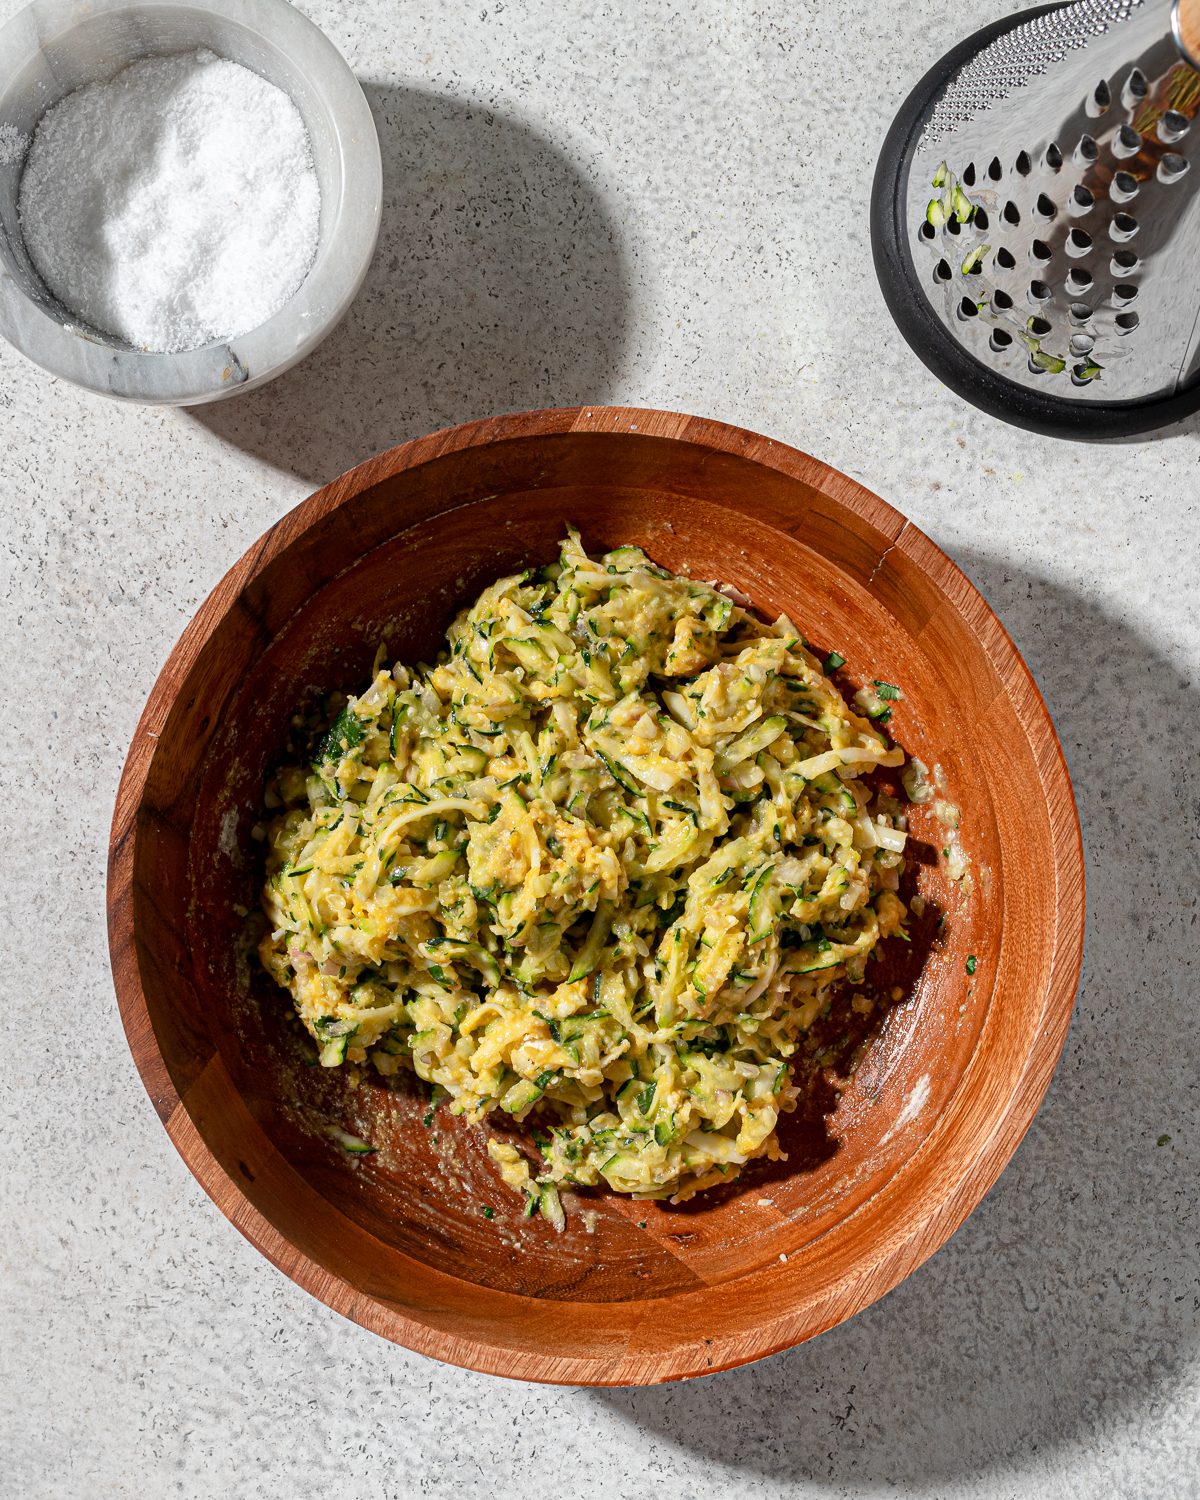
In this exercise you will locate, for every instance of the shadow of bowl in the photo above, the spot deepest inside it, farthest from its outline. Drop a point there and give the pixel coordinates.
(499, 284)
(1067, 1306)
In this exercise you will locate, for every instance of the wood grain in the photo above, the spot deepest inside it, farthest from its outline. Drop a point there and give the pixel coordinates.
(1188, 21)
(905, 1147)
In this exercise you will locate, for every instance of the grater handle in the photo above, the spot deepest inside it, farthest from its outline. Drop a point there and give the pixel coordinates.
(1185, 23)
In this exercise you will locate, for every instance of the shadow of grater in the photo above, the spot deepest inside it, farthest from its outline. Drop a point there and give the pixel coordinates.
(1035, 222)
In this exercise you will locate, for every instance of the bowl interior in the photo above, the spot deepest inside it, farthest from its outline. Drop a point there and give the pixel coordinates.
(53, 48)
(425, 1191)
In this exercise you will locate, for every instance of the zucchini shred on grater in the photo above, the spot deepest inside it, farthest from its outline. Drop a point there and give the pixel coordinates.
(1035, 222)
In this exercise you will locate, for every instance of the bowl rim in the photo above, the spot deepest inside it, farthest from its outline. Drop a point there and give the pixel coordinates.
(223, 368)
(806, 1310)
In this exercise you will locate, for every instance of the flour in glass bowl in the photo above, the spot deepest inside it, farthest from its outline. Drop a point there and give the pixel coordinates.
(175, 204)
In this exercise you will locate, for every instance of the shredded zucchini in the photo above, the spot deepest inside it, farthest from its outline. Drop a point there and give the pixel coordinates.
(602, 865)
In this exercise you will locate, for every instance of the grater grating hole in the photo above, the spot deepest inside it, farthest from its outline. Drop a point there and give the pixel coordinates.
(1005, 259)
(1135, 90)
(1123, 227)
(1040, 326)
(1020, 55)
(995, 170)
(1080, 312)
(1044, 209)
(981, 220)
(1000, 340)
(1001, 300)
(952, 225)
(1079, 242)
(1039, 252)
(1052, 160)
(1081, 200)
(968, 176)
(1123, 187)
(1100, 99)
(1024, 165)
(1173, 127)
(1171, 168)
(1082, 343)
(1039, 292)
(941, 272)
(1126, 142)
(1123, 294)
(1078, 280)
(1123, 262)
(967, 309)
(1011, 214)
(1127, 322)
(1080, 376)
(926, 231)
(1086, 152)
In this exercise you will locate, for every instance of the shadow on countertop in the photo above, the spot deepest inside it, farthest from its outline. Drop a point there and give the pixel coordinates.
(1188, 427)
(1068, 1305)
(499, 284)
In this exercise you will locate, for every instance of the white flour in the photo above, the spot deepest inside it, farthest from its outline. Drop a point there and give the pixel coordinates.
(175, 204)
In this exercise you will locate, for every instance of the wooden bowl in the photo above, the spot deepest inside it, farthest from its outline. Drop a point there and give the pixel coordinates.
(898, 1154)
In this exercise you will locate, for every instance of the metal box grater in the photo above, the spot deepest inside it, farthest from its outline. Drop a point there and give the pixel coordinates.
(1036, 224)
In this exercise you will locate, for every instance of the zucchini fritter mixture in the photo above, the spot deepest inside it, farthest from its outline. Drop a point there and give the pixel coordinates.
(604, 862)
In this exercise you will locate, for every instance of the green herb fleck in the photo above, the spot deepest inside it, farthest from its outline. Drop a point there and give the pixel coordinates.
(1164, 1140)
(346, 729)
(971, 962)
(832, 662)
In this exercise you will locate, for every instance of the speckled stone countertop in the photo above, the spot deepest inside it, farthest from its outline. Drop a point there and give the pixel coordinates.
(661, 204)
